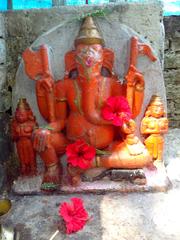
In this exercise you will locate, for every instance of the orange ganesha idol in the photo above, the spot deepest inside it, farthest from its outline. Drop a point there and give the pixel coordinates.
(22, 127)
(154, 125)
(89, 110)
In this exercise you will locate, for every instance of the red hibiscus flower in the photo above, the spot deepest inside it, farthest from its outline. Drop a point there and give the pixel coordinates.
(74, 215)
(117, 110)
(80, 154)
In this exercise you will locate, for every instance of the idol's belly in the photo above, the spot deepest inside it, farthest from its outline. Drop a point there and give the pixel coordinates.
(100, 136)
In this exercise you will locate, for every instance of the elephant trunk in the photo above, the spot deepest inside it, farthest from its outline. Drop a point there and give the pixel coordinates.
(90, 110)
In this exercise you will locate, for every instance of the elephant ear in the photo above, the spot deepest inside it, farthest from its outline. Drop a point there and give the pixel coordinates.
(70, 64)
(108, 60)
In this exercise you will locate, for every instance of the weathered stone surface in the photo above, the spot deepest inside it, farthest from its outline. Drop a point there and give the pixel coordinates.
(35, 22)
(172, 78)
(5, 141)
(2, 28)
(3, 88)
(172, 27)
(166, 44)
(172, 82)
(2, 175)
(172, 155)
(5, 104)
(172, 68)
(6, 100)
(175, 44)
(5, 149)
(14, 53)
(2, 76)
(2, 51)
(172, 60)
(149, 25)
(112, 216)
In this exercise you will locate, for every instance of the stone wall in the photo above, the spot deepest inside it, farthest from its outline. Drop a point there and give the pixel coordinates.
(4, 93)
(172, 68)
(5, 103)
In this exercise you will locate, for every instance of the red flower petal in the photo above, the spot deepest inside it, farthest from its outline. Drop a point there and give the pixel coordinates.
(117, 110)
(71, 150)
(107, 113)
(84, 164)
(90, 153)
(80, 154)
(117, 121)
(74, 161)
(74, 215)
(111, 101)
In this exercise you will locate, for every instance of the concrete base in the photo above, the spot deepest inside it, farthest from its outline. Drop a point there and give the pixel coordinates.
(156, 180)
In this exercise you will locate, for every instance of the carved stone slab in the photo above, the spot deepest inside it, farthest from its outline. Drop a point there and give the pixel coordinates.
(156, 180)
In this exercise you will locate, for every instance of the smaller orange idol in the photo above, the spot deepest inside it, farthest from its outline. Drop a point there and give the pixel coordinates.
(154, 125)
(22, 127)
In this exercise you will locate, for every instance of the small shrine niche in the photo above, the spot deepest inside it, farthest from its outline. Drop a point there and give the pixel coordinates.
(99, 101)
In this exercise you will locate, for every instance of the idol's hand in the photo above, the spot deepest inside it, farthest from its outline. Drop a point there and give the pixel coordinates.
(134, 77)
(41, 139)
(47, 83)
(129, 127)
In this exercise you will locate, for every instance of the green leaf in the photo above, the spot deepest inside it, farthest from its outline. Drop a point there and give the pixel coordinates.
(47, 127)
(49, 186)
(102, 152)
(96, 13)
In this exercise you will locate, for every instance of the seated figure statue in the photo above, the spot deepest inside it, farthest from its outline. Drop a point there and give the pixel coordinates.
(73, 107)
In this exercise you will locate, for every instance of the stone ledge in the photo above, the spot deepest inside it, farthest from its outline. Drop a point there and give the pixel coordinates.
(156, 181)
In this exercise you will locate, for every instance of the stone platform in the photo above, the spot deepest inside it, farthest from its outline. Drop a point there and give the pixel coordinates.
(156, 180)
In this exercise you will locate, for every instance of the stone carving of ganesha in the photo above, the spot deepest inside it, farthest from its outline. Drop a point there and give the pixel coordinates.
(90, 113)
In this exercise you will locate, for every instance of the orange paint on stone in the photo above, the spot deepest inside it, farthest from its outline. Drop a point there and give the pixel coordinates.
(154, 125)
(73, 105)
(22, 127)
